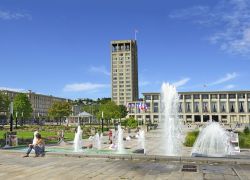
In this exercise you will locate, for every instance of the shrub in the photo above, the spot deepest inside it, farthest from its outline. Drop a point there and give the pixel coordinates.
(190, 138)
(132, 123)
(246, 130)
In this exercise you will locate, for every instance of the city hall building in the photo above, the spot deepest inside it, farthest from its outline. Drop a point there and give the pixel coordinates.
(196, 107)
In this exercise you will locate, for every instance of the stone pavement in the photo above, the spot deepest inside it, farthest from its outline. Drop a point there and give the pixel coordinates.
(53, 167)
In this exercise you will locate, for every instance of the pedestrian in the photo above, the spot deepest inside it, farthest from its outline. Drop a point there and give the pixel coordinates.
(38, 146)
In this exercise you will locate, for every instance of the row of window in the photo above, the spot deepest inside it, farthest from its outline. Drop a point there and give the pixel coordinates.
(215, 96)
(120, 47)
(214, 107)
(203, 96)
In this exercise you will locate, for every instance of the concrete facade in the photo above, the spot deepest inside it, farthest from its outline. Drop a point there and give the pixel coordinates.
(197, 107)
(124, 71)
(40, 103)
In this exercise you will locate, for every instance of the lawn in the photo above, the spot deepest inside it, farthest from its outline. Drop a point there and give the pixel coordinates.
(48, 132)
(244, 139)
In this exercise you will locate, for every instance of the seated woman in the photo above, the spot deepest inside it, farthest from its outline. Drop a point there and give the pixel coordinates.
(38, 146)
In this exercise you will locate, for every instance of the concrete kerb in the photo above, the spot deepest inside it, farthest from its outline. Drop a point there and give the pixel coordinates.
(197, 160)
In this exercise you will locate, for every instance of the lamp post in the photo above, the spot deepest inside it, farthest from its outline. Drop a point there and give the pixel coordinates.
(22, 120)
(11, 116)
(16, 119)
(102, 121)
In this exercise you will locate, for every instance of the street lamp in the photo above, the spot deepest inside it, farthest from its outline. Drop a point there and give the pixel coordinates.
(11, 116)
(22, 120)
(16, 119)
(102, 121)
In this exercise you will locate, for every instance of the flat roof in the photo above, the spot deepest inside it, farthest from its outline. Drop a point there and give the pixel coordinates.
(203, 92)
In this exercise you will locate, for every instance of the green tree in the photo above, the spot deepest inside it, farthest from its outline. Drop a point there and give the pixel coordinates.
(21, 105)
(123, 111)
(110, 111)
(59, 110)
(4, 102)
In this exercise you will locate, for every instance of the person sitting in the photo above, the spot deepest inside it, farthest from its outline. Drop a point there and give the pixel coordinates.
(38, 146)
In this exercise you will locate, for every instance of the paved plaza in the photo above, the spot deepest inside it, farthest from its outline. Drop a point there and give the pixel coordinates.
(65, 165)
(13, 166)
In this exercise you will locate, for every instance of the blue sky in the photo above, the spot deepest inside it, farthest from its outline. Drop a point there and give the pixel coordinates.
(61, 47)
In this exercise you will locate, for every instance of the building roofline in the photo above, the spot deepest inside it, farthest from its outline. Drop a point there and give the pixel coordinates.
(31, 92)
(201, 92)
(125, 40)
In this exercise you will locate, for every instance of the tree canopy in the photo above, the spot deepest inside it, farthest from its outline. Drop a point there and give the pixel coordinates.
(21, 105)
(4, 102)
(60, 109)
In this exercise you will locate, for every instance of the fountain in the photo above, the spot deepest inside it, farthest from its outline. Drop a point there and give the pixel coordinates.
(169, 120)
(78, 143)
(97, 143)
(213, 141)
(141, 141)
(120, 146)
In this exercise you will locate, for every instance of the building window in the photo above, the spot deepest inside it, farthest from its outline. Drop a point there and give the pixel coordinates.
(156, 116)
(155, 97)
(204, 96)
(196, 96)
(181, 96)
(156, 107)
(187, 96)
(223, 96)
(188, 107)
(232, 107)
(248, 106)
(196, 107)
(148, 107)
(180, 107)
(232, 96)
(248, 96)
(214, 96)
(241, 96)
(222, 107)
(147, 97)
(241, 107)
(205, 107)
(214, 107)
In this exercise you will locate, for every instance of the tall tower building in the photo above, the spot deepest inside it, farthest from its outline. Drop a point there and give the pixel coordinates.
(124, 71)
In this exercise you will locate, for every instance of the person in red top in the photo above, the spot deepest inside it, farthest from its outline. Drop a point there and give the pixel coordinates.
(110, 135)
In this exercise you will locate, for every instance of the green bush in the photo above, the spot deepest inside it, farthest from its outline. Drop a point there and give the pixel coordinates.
(190, 138)
(132, 123)
(246, 130)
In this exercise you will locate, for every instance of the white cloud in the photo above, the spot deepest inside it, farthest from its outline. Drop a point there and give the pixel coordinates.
(228, 77)
(230, 86)
(100, 69)
(181, 82)
(7, 15)
(77, 87)
(12, 89)
(231, 20)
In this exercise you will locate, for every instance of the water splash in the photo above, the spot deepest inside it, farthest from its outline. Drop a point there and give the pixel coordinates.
(169, 120)
(213, 141)
(78, 142)
(97, 141)
(141, 140)
(120, 145)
